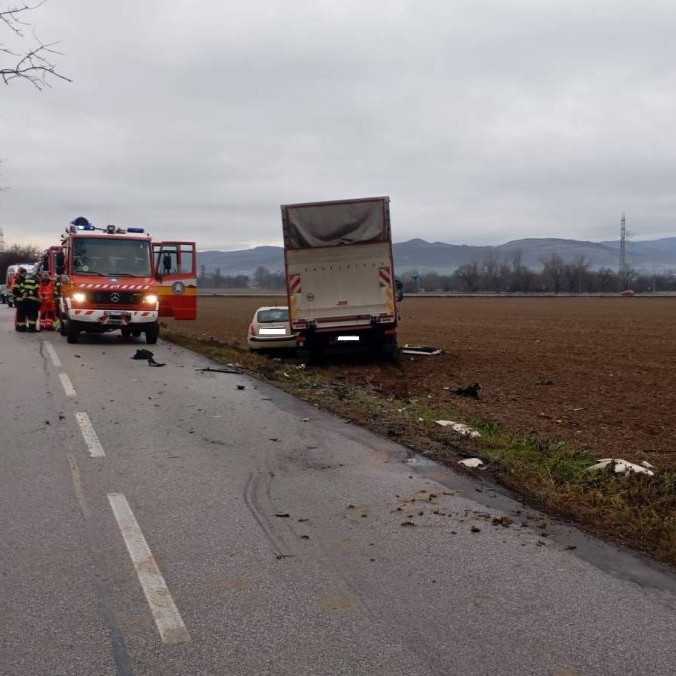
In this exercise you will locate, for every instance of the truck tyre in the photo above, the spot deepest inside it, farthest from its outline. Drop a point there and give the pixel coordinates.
(72, 332)
(389, 349)
(126, 332)
(152, 334)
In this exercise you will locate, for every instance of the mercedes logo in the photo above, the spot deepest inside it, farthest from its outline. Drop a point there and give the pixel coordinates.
(114, 297)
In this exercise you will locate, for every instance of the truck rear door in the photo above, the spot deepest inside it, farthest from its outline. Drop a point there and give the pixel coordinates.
(175, 266)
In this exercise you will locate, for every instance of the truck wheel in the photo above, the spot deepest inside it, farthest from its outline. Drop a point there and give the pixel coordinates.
(152, 334)
(72, 332)
(126, 333)
(390, 350)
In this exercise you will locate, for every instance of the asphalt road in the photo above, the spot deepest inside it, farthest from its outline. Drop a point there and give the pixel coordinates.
(165, 521)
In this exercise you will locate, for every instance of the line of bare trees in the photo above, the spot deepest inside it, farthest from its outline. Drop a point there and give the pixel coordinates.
(261, 279)
(555, 276)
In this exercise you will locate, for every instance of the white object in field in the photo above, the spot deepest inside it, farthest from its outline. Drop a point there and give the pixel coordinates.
(473, 463)
(460, 428)
(422, 351)
(621, 466)
(341, 281)
(645, 463)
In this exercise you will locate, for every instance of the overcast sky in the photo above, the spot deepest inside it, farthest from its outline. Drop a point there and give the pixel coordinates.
(484, 120)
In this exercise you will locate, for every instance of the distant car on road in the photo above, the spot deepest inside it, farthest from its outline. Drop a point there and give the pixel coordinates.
(270, 329)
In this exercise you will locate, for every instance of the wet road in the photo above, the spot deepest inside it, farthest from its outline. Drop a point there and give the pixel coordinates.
(166, 521)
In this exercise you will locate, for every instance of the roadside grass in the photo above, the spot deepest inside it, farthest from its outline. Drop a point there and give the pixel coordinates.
(637, 510)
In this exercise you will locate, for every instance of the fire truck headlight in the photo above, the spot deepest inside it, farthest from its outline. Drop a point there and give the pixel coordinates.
(79, 297)
(150, 299)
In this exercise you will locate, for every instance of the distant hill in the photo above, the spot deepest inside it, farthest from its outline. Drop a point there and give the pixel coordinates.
(417, 254)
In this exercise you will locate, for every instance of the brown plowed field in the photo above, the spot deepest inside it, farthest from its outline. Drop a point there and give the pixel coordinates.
(599, 373)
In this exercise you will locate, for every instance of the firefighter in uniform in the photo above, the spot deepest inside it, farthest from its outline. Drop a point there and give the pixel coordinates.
(30, 299)
(17, 292)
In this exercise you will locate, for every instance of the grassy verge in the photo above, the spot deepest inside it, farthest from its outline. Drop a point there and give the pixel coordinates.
(637, 510)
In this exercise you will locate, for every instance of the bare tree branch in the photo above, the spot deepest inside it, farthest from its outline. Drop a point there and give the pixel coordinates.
(34, 66)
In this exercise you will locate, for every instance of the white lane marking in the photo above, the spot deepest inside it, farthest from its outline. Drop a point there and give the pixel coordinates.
(67, 385)
(52, 354)
(167, 618)
(89, 435)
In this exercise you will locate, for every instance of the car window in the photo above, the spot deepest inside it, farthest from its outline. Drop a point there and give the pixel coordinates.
(277, 315)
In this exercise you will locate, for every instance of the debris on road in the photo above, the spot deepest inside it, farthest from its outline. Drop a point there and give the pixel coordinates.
(421, 350)
(407, 523)
(475, 529)
(473, 463)
(147, 355)
(460, 428)
(471, 391)
(208, 369)
(622, 466)
(241, 387)
(282, 515)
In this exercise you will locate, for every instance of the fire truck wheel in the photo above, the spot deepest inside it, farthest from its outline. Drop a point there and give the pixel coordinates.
(126, 333)
(72, 332)
(152, 334)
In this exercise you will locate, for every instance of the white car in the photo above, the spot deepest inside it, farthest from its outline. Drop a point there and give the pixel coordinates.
(270, 329)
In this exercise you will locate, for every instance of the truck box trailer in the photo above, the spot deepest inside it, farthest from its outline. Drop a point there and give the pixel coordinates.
(340, 273)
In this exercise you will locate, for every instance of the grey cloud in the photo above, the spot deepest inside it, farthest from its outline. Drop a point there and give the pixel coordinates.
(484, 121)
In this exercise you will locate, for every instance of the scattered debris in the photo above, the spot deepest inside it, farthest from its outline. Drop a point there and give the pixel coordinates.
(503, 521)
(475, 529)
(147, 355)
(273, 439)
(282, 515)
(621, 466)
(304, 537)
(473, 463)
(303, 520)
(460, 428)
(407, 523)
(468, 391)
(569, 548)
(208, 369)
(421, 350)
(241, 387)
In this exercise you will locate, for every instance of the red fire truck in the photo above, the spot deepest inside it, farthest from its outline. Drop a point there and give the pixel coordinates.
(119, 279)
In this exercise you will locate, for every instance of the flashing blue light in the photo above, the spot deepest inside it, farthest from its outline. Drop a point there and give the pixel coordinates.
(136, 230)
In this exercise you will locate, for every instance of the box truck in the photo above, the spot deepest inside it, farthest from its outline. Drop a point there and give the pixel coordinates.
(340, 274)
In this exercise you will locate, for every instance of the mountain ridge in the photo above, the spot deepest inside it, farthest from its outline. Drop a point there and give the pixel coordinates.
(656, 256)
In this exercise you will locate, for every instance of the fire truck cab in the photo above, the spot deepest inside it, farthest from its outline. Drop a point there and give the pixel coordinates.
(119, 279)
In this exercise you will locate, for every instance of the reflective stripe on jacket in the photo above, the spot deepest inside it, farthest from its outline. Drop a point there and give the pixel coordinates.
(29, 289)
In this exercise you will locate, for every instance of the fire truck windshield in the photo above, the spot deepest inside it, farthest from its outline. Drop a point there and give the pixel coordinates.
(111, 257)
